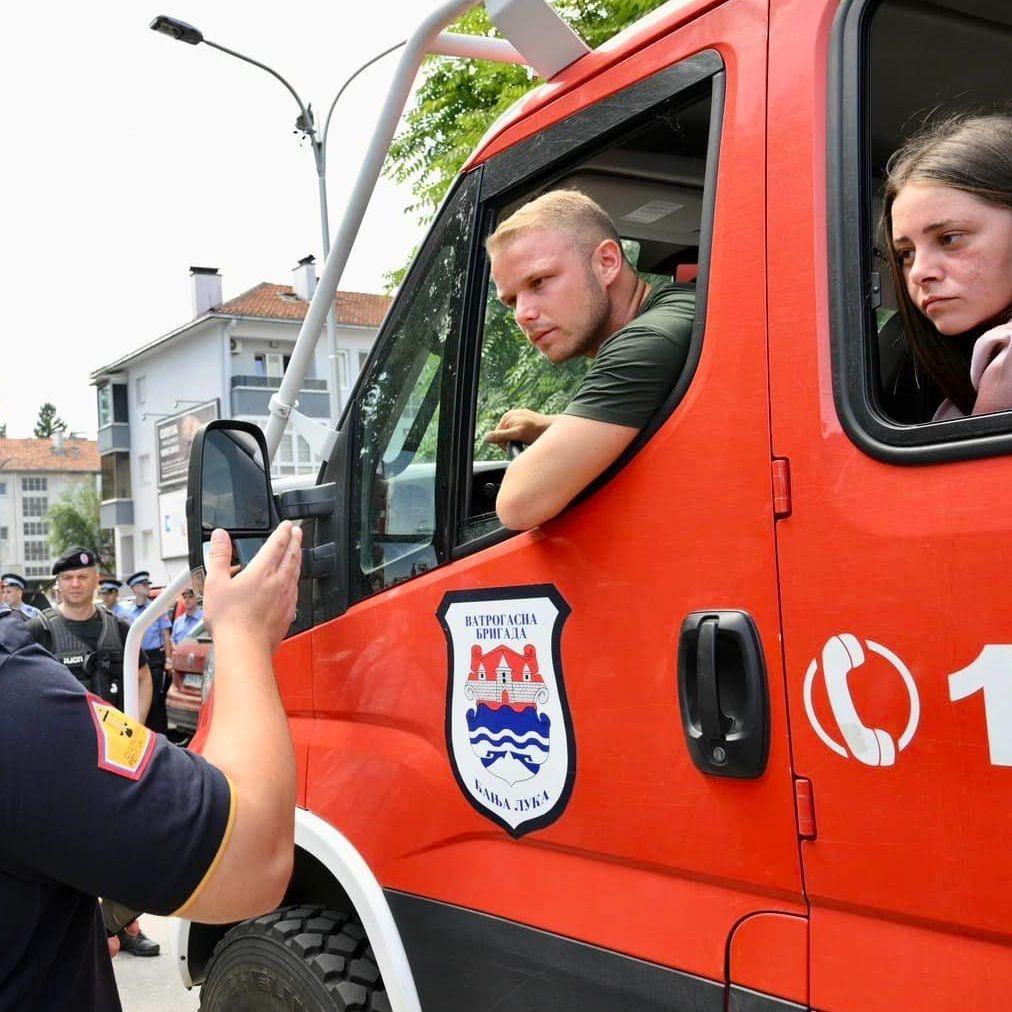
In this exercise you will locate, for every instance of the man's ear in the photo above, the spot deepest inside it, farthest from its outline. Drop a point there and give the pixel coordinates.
(607, 260)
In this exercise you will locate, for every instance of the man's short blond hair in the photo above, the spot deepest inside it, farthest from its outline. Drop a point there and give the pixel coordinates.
(567, 211)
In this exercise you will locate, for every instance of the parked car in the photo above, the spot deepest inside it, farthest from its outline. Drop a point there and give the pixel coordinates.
(183, 700)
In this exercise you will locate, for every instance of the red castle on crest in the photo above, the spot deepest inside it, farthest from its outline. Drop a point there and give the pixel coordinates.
(502, 677)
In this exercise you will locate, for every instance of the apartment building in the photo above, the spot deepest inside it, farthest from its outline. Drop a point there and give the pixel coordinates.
(226, 362)
(34, 475)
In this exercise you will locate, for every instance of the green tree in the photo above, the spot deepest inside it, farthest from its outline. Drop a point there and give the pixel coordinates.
(48, 422)
(74, 523)
(459, 99)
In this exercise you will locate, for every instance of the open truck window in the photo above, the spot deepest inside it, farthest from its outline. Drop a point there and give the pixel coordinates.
(898, 66)
(401, 427)
(650, 174)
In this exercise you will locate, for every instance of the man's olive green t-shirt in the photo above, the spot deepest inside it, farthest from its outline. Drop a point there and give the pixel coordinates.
(637, 367)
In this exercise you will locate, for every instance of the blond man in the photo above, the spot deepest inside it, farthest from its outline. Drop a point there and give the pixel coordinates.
(558, 263)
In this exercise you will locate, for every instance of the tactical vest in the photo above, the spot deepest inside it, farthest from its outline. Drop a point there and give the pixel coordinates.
(101, 670)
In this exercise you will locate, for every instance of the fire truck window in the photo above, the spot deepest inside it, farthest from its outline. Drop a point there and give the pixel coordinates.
(926, 62)
(651, 183)
(399, 430)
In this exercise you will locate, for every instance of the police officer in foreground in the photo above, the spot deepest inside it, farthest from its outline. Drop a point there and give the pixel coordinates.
(89, 640)
(14, 588)
(156, 643)
(207, 837)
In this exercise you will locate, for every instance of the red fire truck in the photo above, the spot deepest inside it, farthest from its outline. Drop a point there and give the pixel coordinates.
(734, 731)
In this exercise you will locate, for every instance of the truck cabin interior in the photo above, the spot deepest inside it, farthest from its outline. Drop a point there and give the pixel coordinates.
(925, 59)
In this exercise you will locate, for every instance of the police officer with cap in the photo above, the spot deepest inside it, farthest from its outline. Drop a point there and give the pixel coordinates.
(108, 591)
(14, 588)
(156, 643)
(93, 802)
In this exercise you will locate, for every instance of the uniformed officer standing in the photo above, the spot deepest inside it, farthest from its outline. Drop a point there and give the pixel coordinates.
(156, 643)
(14, 588)
(108, 592)
(183, 627)
(87, 639)
(78, 780)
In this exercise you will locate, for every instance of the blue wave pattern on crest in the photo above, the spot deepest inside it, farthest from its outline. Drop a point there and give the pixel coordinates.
(495, 733)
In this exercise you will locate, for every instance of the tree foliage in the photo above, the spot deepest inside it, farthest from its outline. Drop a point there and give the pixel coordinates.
(48, 422)
(74, 523)
(459, 99)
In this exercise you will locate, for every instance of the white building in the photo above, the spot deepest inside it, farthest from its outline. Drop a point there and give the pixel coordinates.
(34, 475)
(225, 362)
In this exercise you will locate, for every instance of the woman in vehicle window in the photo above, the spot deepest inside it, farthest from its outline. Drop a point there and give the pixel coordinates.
(947, 219)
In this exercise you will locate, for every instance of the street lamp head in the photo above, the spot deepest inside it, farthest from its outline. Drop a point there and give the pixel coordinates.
(176, 29)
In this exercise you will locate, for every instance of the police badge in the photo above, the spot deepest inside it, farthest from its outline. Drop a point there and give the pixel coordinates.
(509, 734)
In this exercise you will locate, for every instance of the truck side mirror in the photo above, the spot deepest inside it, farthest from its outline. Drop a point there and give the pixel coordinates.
(228, 486)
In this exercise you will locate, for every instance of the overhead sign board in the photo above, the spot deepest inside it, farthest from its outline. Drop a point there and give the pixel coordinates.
(174, 437)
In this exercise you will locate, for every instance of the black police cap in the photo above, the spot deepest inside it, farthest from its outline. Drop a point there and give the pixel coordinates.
(76, 558)
(109, 583)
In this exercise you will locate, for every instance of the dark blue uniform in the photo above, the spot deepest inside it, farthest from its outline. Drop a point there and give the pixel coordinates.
(78, 780)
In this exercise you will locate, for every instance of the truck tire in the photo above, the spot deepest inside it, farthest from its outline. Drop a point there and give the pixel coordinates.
(296, 959)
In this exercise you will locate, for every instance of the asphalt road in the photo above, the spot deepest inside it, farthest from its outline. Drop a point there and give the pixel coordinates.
(152, 984)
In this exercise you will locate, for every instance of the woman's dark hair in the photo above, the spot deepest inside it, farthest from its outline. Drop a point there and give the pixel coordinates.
(972, 153)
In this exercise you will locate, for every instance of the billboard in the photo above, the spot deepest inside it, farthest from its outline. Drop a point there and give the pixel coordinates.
(172, 524)
(174, 436)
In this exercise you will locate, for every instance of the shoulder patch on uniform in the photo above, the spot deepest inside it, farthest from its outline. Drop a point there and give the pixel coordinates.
(125, 747)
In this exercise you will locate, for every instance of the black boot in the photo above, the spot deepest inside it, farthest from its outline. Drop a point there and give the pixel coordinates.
(138, 945)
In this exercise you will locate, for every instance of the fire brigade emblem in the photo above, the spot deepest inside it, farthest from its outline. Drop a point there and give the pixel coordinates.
(508, 728)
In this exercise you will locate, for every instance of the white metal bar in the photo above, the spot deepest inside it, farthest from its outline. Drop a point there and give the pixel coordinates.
(476, 47)
(419, 44)
(131, 649)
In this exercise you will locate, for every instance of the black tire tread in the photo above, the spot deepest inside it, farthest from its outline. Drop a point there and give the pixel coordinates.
(331, 944)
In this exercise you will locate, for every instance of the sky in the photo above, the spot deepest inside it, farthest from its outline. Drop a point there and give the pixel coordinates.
(131, 157)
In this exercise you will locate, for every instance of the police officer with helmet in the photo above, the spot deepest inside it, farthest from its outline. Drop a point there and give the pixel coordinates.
(92, 802)
(14, 588)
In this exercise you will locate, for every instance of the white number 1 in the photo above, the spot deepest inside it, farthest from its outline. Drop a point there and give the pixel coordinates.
(991, 672)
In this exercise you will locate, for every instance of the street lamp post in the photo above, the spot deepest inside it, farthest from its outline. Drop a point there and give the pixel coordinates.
(306, 125)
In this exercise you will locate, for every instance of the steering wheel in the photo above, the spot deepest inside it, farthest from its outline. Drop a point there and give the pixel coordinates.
(514, 449)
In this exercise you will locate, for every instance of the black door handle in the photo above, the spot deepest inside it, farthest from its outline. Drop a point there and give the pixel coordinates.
(722, 693)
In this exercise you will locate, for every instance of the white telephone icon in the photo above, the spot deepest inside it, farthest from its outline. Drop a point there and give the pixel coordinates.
(870, 745)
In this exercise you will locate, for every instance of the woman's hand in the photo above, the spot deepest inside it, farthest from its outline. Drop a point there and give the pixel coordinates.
(991, 370)
(258, 602)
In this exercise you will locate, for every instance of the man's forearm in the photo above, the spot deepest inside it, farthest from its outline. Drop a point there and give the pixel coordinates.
(249, 741)
(144, 693)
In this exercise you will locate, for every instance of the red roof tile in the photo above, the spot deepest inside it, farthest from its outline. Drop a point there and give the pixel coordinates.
(78, 455)
(279, 302)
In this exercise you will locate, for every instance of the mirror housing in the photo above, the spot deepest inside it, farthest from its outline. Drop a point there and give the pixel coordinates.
(228, 486)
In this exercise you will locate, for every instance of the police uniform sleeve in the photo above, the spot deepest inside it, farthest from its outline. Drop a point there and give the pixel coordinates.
(94, 800)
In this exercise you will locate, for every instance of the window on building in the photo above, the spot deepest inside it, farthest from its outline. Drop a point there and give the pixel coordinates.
(36, 551)
(144, 468)
(35, 572)
(35, 506)
(141, 389)
(363, 357)
(4, 534)
(116, 476)
(259, 365)
(3, 488)
(147, 546)
(35, 484)
(36, 529)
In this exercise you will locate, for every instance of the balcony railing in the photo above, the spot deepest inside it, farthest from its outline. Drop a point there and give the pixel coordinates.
(274, 382)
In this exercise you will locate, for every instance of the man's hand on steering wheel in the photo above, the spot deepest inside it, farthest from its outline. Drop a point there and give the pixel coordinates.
(518, 428)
